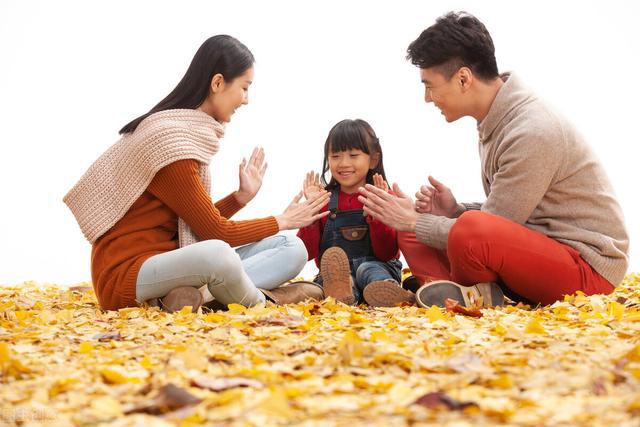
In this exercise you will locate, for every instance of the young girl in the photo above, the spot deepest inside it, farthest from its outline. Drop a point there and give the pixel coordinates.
(357, 255)
(145, 206)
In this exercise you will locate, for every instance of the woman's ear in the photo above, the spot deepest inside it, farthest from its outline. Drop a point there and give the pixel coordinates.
(217, 83)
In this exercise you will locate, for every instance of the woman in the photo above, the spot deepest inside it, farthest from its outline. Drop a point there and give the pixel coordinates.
(145, 205)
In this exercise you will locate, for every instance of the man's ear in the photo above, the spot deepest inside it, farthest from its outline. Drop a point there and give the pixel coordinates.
(217, 83)
(465, 78)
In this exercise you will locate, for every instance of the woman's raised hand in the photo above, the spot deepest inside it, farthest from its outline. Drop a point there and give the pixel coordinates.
(311, 184)
(301, 214)
(379, 182)
(251, 174)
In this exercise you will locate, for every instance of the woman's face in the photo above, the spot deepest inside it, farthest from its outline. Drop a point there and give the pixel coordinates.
(226, 97)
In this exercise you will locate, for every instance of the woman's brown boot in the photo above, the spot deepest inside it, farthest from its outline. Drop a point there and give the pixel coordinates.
(293, 293)
(181, 297)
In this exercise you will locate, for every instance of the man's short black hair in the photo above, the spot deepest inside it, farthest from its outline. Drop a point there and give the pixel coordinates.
(457, 39)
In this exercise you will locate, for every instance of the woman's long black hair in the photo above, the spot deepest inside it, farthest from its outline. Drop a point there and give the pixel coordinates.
(347, 135)
(219, 54)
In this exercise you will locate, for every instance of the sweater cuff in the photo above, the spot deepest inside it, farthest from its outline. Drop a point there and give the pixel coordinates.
(471, 207)
(274, 228)
(433, 230)
(229, 205)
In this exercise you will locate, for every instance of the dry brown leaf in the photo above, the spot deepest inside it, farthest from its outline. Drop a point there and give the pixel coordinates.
(454, 306)
(220, 384)
(438, 400)
(168, 399)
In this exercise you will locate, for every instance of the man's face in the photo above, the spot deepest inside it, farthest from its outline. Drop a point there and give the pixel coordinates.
(446, 94)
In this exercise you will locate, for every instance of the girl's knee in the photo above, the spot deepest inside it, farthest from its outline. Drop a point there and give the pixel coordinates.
(363, 270)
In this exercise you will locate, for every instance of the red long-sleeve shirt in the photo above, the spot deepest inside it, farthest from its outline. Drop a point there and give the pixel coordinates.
(383, 238)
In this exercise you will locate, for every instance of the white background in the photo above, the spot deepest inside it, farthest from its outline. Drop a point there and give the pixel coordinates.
(73, 73)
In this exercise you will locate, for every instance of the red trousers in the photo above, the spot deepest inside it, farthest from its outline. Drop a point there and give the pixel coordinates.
(488, 248)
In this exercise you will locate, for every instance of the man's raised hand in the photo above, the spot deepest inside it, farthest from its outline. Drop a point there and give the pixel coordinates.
(436, 199)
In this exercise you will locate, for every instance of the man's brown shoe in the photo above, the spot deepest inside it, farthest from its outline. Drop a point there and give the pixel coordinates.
(384, 293)
(438, 291)
(181, 297)
(293, 293)
(336, 275)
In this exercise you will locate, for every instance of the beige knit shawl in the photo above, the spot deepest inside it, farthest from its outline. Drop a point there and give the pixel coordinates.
(116, 180)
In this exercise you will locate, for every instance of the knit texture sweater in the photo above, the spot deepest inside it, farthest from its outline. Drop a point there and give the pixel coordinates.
(117, 178)
(537, 170)
(150, 227)
(148, 194)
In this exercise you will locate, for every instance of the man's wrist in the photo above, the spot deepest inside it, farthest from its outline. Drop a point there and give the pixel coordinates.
(411, 224)
(459, 210)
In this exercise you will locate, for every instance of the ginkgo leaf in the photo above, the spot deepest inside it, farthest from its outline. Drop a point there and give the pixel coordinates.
(535, 327)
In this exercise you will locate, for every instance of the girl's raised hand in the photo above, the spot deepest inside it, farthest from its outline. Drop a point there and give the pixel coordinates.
(379, 182)
(251, 174)
(311, 184)
(301, 214)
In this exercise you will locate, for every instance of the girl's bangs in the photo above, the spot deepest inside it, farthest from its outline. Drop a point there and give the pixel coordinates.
(346, 138)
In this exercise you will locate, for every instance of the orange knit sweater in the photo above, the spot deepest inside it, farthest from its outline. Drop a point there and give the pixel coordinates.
(150, 227)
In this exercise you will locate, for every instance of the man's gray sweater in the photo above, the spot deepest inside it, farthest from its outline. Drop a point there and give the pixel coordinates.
(538, 171)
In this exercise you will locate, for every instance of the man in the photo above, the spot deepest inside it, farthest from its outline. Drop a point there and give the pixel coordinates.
(550, 225)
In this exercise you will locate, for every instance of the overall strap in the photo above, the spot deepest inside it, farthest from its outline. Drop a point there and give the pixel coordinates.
(329, 227)
(333, 202)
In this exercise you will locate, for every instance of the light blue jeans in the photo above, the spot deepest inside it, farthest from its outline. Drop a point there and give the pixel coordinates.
(231, 275)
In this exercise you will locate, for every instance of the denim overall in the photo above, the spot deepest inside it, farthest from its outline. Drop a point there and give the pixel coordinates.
(349, 230)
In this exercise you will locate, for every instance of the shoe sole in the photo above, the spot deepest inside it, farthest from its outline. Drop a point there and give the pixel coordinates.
(386, 294)
(336, 276)
(181, 297)
(494, 293)
(436, 293)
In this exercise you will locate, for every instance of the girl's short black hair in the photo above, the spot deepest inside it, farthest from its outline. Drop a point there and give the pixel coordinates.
(352, 135)
(457, 39)
(221, 54)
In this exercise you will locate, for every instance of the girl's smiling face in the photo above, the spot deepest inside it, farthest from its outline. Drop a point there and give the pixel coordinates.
(352, 154)
(350, 168)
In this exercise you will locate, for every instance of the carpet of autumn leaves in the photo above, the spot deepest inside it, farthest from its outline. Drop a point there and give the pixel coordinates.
(63, 361)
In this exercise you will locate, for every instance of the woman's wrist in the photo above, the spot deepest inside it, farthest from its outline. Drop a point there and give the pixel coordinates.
(241, 197)
(282, 222)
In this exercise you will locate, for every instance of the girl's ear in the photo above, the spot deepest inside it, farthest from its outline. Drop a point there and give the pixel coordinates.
(217, 83)
(373, 160)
